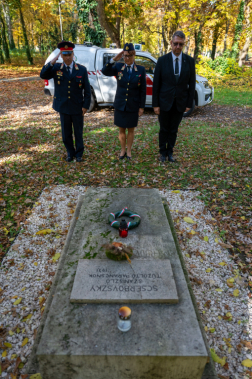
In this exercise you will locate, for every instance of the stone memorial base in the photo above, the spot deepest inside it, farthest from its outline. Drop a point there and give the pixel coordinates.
(82, 341)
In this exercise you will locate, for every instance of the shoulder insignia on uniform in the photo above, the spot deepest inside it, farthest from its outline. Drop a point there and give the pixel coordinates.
(123, 67)
(135, 67)
(62, 65)
(76, 66)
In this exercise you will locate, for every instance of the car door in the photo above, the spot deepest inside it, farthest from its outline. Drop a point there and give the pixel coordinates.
(149, 66)
(107, 84)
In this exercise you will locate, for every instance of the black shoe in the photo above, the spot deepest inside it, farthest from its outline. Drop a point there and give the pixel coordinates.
(129, 158)
(162, 158)
(171, 159)
(122, 156)
(79, 159)
(69, 159)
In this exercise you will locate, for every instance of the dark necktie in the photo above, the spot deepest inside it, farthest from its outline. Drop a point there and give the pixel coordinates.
(128, 70)
(68, 69)
(176, 70)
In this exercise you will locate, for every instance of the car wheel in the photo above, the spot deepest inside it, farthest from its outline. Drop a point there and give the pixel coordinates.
(186, 114)
(92, 102)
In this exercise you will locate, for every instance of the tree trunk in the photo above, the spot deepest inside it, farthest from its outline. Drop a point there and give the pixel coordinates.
(27, 47)
(4, 40)
(215, 39)
(107, 25)
(226, 36)
(198, 43)
(6, 11)
(238, 30)
(187, 45)
(244, 50)
(1, 53)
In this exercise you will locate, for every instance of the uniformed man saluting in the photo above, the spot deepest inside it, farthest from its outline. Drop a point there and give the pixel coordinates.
(70, 79)
(130, 95)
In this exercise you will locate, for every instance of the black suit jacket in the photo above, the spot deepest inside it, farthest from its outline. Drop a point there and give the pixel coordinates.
(130, 93)
(68, 94)
(165, 88)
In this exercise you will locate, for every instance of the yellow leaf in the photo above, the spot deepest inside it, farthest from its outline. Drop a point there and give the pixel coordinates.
(18, 301)
(217, 359)
(11, 333)
(242, 217)
(44, 231)
(212, 330)
(35, 263)
(221, 193)
(206, 328)
(176, 191)
(222, 264)
(36, 376)
(236, 293)
(188, 255)
(228, 314)
(219, 317)
(7, 344)
(218, 290)
(193, 232)
(23, 289)
(189, 220)
(229, 350)
(206, 238)
(230, 280)
(247, 363)
(208, 270)
(14, 356)
(216, 240)
(18, 330)
(56, 257)
(4, 353)
(239, 322)
(25, 341)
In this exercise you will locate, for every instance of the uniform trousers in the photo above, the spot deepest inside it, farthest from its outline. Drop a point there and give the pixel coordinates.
(169, 123)
(67, 121)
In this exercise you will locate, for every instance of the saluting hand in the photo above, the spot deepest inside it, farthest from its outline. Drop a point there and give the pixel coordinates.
(118, 56)
(55, 59)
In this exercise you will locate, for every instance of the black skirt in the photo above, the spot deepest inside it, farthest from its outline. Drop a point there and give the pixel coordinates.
(125, 119)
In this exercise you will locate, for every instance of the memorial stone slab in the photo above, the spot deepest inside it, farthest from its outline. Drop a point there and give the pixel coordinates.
(142, 281)
(82, 341)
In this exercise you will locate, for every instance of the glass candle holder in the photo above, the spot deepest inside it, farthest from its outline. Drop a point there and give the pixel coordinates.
(123, 229)
(124, 322)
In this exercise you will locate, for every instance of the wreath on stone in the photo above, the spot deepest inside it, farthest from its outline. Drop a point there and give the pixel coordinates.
(136, 219)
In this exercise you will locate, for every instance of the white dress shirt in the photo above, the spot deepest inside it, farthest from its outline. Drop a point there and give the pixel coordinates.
(179, 61)
(71, 67)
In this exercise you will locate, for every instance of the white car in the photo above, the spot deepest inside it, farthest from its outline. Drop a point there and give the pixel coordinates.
(104, 87)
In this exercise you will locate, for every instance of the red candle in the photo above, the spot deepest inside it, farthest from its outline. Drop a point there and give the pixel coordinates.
(123, 233)
(123, 229)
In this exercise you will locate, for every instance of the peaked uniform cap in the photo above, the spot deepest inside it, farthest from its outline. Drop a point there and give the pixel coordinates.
(128, 47)
(66, 47)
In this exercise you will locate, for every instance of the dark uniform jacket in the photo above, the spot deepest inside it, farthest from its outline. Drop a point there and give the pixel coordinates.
(165, 88)
(130, 93)
(68, 94)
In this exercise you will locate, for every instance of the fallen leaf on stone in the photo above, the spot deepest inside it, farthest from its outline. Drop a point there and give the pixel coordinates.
(189, 220)
(44, 231)
(247, 344)
(193, 232)
(176, 191)
(56, 257)
(222, 264)
(217, 359)
(4, 353)
(212, 330)
(247, 363)
(18, 301)
(206, 238)
(208, 270)
(236, 293)
(25, 341)
(225, 245)
(230, 282)
(36, 376)
(218, 290)
(35, 263)
(216, 240)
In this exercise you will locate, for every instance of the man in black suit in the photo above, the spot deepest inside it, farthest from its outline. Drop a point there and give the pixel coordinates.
(173, 93)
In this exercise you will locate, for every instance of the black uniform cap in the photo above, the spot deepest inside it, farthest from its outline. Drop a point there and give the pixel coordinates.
(128, 47)
(66, 47)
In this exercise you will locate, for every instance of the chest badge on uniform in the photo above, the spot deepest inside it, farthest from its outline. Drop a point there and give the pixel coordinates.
(59, 73)
(78, 77)
(120, 74)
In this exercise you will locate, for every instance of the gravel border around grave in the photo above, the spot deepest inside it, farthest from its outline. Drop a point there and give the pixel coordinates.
(29, 268)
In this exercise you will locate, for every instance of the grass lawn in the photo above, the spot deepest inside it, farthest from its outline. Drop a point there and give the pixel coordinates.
(240, 96)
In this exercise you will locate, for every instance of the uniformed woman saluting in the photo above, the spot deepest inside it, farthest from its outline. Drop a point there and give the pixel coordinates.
(130, 95)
